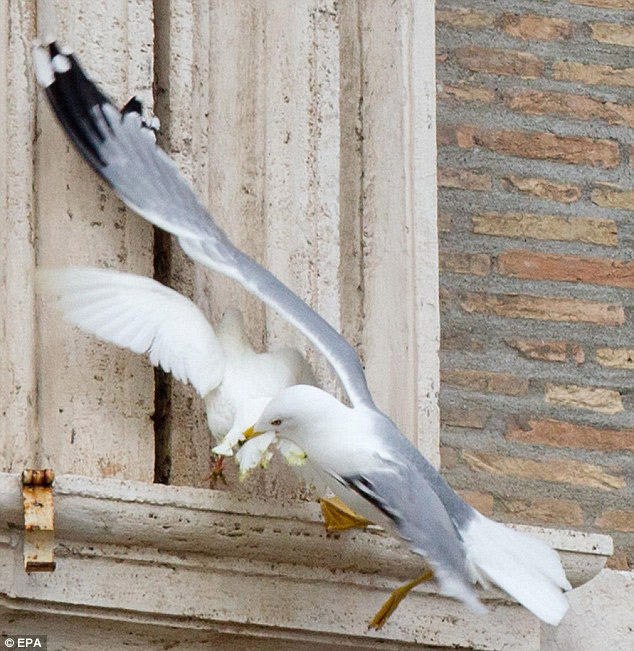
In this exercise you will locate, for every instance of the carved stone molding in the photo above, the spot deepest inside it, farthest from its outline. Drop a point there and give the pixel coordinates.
(175, 557)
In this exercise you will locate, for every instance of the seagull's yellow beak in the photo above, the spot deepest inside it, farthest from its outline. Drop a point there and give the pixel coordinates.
(250, 433)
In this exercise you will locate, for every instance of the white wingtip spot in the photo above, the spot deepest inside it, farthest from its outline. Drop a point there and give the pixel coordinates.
(60, 63)
(43, 69)
(155, 123)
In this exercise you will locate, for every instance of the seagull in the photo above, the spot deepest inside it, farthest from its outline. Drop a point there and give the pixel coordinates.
(369, 463)
(146, 317)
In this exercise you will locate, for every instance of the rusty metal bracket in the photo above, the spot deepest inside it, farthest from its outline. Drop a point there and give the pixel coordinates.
(39, 532)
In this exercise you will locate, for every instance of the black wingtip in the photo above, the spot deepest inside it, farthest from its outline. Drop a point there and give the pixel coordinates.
(133, 105)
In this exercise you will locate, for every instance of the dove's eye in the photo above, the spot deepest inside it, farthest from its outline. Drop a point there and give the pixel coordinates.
(276, 422)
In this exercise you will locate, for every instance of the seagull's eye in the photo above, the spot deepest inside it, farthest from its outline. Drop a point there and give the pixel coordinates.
(276, 422)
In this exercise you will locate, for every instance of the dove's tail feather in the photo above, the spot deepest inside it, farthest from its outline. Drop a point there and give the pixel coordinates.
(526, 568)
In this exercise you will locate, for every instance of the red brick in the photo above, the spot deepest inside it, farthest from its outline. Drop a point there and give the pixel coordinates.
(477, 264)
(499, 62)
(543, 511)
(616, 358)
(613, 33)
(577, 150)
(545, 308)
(468, 417)
(606, 4)
(582, 107)
(567, 268)
(463, 179)
(611, 197)
(619, 520)
(482, 502)
(548, 351)
(599, 399)
(592, 73)
(464, 18)
(448, 458)
(565, 471)
(485, 381)
(559, 434)
(460, 340)
(441, 57)
(578, 354)
(445, 135)
(464, 93)
(547, 227)
(532, 27)
(444, 222)
(618, 561)
(543, 188)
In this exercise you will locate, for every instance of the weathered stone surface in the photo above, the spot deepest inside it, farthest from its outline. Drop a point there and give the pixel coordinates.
(18, 354)
(478, 264)
(485, 381)
(560, 434)
(558, 470)
(551, 511)
(605, 401)
(593, 73)
(619, 519)
(543, 188)
(532, 27)
(97, 421)
(582, 107)
(609, 197)
(613, 33)
(547, 227)
(616, 357)
(463, 179)
(574, 150)
(570, 268)
(524, 306)
(499, 62)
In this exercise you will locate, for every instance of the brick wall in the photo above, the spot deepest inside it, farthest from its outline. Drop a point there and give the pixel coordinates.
(536, 213)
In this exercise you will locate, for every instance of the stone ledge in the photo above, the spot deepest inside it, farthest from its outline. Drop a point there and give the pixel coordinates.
(200, 559)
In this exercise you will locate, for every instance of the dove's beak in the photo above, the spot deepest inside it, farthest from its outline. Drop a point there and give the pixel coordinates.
(250, 433)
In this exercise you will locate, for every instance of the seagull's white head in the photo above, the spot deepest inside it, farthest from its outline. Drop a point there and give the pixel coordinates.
(301, 414)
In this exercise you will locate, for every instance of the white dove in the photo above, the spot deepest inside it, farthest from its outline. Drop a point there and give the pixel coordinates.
(144, 316)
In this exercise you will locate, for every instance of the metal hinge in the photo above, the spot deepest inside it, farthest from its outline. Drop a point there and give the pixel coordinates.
(39, 532)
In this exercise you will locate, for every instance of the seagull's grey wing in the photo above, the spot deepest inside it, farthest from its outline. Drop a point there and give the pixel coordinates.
(122, 150)
(142, 315)
(405, 497)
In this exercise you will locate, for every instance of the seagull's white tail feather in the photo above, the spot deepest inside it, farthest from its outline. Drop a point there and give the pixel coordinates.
(451, 586)
(524, 567)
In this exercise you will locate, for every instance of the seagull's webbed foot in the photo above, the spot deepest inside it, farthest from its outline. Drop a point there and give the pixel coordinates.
(395, 599)
(339, 517)
(217, 471)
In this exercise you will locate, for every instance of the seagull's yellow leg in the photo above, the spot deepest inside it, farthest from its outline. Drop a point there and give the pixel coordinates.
(339, 517)
(395, 599)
